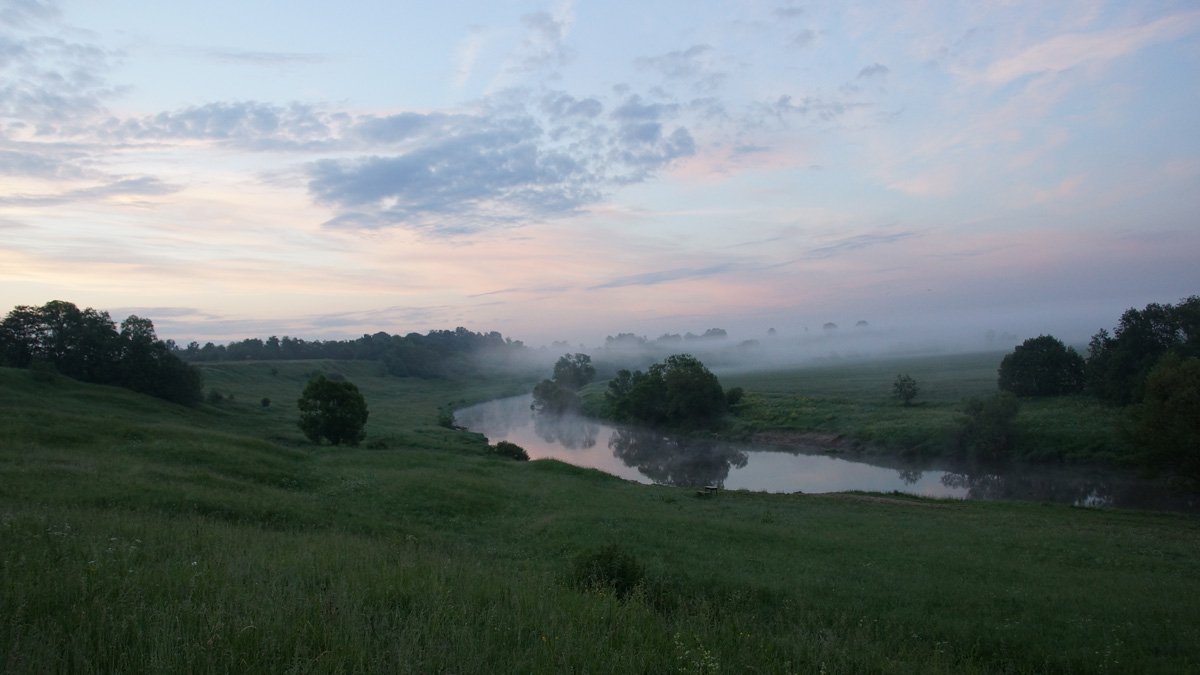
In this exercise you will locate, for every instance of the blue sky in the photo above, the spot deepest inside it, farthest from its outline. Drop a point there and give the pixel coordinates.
(574, 170)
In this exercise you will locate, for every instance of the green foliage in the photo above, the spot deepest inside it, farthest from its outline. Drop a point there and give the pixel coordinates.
(85, 345)
(332, 410)
(733, 396)
(905, 387)
(678, 392)
(986, 428)
(266, 402)
(1042, 366)
(214, 397)
(573, 372)
(1118, 365)
(609, 568)
(1164, 429)
(511, 451)
(551, 398)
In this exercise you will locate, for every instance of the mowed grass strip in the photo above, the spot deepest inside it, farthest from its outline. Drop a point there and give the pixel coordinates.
(145, 537)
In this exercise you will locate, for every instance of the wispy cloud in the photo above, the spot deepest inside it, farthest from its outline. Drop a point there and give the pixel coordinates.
(1075, 49)
(146, 186)
(257, 58)
(664, 276)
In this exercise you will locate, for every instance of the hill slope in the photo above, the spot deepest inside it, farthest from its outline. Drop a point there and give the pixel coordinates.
(136, 535)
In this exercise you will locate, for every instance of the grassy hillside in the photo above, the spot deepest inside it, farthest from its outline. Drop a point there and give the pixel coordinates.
(136, 536)
(856, 399)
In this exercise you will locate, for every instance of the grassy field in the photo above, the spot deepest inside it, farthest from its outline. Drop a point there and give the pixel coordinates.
(855, 399)
(136, 536)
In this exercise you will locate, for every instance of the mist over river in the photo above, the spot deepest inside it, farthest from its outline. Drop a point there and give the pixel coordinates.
(655, 457)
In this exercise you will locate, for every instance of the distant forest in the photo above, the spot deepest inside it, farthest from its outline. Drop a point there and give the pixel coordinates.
(439, 353)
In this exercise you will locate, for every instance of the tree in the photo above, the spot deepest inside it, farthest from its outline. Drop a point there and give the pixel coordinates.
(573, 372)
(680, 391)
(331, 410)
(1042, 366)
(1164, 429)
(1119, 364)
(906, 388)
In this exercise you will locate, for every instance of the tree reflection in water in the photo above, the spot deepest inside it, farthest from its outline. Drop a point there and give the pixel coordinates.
(677, 462)
(573, 432)
(992, 484)
(911, 477)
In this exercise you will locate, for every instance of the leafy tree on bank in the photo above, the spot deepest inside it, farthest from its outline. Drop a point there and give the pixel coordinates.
(1119, 364)
(332, 410)
(905, 387)
(1042, 366)
(549, 397)
(680, 391)
(574, 371)
(1164, 429)
(85, 345)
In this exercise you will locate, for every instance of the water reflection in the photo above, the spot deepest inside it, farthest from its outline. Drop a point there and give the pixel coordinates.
(570, 431)
(653, 457)
(675, 461)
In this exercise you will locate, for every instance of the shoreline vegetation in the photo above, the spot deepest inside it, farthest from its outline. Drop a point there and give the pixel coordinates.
(142, 535)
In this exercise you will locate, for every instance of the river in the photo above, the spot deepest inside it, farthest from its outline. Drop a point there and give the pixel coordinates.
(654, 457)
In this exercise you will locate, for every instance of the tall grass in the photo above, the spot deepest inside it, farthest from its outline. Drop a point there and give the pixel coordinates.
(138, 537)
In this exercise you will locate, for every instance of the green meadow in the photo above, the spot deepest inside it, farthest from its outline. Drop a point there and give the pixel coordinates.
(854, 400)
(139, 536)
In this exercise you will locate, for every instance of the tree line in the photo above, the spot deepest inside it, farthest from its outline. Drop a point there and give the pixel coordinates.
(87, 345)
(1149, 365)
(439, 353)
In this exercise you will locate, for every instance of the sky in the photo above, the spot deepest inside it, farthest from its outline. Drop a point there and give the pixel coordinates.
(573, 170)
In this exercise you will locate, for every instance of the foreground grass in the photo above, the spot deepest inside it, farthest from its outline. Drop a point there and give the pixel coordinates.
(137, 536)
(855, 400)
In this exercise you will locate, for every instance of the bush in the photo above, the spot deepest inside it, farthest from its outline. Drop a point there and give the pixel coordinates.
(986, 428)
(906, 388)
(607, 568)
(332, 410)
(549, 397)
(214, 397)
(733, 396)
(266, 402)
(511, 451)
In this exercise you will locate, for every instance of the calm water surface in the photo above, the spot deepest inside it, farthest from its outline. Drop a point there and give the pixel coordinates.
(653, 457)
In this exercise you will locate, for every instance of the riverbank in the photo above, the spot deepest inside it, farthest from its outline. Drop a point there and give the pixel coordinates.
(139, 535)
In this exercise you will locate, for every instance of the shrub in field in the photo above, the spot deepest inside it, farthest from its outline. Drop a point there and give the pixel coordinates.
(906, 388)
(332, 410)
(609, 567)
(511, 451)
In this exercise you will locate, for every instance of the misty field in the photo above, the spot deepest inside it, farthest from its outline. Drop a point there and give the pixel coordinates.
(139, 536)
(855, 399)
